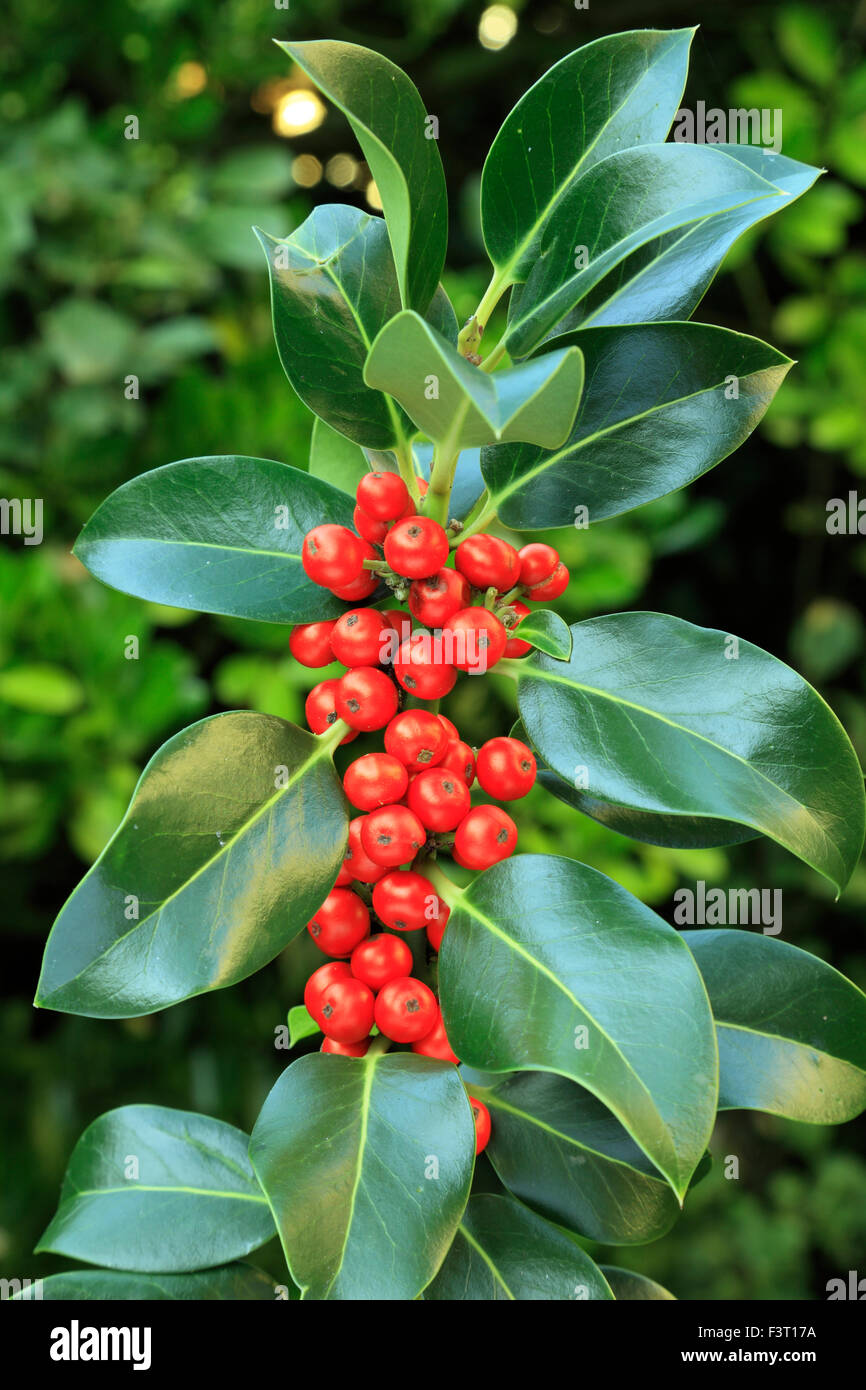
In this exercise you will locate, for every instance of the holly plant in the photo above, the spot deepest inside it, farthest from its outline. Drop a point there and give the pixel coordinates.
(469, 997)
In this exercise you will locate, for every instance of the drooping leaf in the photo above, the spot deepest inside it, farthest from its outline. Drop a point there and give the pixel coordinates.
(503, 1251)
(231, 842)
(388, 117)
(301, 1025)
(453, 401)
(618, 91)
(563, 1153)
(629, 199)
(221, 535)
(230, 1283)
(367, 1164)
(154, 1189)
(335, 458)
(629, 1287)
(661, 716)
(547, 631)
(791, 1029)
(663, 404)
(547, 965)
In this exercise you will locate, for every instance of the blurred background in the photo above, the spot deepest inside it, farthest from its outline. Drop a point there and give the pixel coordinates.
(123, 257)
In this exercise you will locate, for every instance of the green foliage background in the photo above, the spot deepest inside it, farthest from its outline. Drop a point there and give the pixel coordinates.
(121, 256)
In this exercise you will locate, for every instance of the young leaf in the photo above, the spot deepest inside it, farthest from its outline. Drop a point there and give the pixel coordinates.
(191, 1202)
(619, 91)
(629, 1287)
(664, 403)
(221, 535)
(232, 840)
(675, 719)
(333, 286)
(388, 117)
(547, 631)
(583, 980)
(336, 459)
(791, 1029)
(231, 1283)
(453, 401)
(503, 1251)
(366, 1163)
(624, 202)
(301, 1025)
(561, 1151)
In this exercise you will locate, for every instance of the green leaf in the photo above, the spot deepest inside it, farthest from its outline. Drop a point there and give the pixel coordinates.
(231, 1283)
(657, 413)
(154, 1189)
(562, 1152)
(503, 1251)
(581, 979)
(387, 115)
(546, 631)
(660, 716)
(301, 1025)
(333, 287)
(336, 459)
(367, 1164)
(232, 840)
(221, 535)
(453, 401)
(630, 1287)
(619, 91)
(624, 202)
(791, 1029)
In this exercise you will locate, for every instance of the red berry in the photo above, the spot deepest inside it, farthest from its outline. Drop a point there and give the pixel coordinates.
(366, 698)
(439, 798)
(435, 926)
(367, 527)
(485, 836)
(382, 496)
(436, 1044)
(506, 768)
(451, 729)
(515, 646)
(346, 1011)
(356, 637)
(421, 668)
(340, 923)
(320, 708)
(358, 1049)
(416, 546)
(319, 981)
(366, 583)
(416, 737)
(405, 1010)
(310, 643)
(344, 877)
(380, 959)
(403, 900)
(537, 562)
(481, 1116)
(488, 562)
(374, 780)
(477, 641)
(460, 760)
(433, 600)
(357, 861)
(392, 835)
(332, 556)
(552, 587)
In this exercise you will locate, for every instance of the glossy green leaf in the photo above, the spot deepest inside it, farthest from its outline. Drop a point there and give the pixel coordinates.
(618, 91)
(629, 1287)
(154, 1189)
(387, 115)
(562, 1152)
(504, 1252)
(367, 1164)
(547, 631)
(221, 535)
(627, 200)
(792, 1030)
(336, 459)
(301, 1025)
(547, 965)
(659, 410)
(658, 715)
(232, 840)
(333, 287)
(231, 1283)
(455, 402)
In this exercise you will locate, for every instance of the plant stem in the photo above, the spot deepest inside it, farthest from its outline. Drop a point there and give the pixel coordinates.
(495, 357)
(473, 330)
(333, 736)
(378, 1046)
(509, 666)
(482, 513)
(447, 890)
(441, 483)
(406, 465)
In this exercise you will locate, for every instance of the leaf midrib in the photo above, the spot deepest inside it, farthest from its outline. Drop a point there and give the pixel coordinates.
(471, 1241)
(498, 1104)
(369, 1073)
(154, 1187)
